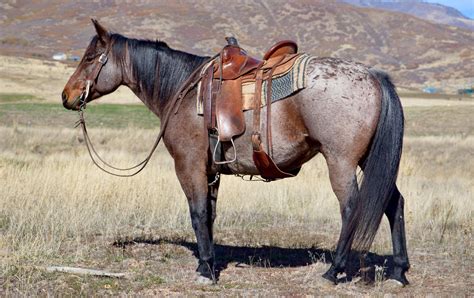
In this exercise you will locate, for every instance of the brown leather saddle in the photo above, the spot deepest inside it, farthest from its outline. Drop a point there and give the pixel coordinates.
(222, 99)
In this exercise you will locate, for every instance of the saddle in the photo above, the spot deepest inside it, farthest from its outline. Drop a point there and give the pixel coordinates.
(223, 102)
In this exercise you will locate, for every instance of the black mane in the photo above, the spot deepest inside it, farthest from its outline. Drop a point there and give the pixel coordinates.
(158, 69)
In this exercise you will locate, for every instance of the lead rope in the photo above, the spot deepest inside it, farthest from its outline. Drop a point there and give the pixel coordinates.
(173, 107)
(95, 156)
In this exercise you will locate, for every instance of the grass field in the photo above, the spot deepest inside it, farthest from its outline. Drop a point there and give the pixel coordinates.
(56, 208)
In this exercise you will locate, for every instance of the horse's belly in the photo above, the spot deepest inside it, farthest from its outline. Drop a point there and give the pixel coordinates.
(291, 143)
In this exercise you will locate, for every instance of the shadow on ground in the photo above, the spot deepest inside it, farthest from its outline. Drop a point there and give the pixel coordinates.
(280, 257)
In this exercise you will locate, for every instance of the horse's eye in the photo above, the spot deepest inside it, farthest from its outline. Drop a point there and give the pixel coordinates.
(89, 58)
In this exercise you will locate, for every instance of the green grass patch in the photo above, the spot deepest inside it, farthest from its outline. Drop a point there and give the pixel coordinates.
(97, 115)
(420, 121)
(14, 97)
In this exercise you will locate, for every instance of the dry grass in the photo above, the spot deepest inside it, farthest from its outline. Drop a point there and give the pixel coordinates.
(57, 209)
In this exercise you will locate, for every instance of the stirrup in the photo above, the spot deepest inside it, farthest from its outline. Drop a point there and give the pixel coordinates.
(224, 161)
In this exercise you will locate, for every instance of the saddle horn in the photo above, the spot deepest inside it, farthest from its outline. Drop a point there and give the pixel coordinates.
(232, 41)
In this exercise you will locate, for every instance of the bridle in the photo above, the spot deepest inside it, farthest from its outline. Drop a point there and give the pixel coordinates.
(91, 78)
(172, 107)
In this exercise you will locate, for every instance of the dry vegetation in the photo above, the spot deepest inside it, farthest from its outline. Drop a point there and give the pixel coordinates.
(56, 208)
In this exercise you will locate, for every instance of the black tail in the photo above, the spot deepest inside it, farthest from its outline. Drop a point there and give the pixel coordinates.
(380, 167)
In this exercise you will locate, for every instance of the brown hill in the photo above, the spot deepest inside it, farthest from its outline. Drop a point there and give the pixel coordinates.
(416, 52)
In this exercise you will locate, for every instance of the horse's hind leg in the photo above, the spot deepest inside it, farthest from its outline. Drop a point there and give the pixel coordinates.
(342, 174)
(395, 215)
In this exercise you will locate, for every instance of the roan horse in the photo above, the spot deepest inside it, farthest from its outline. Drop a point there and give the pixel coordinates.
(348, 112)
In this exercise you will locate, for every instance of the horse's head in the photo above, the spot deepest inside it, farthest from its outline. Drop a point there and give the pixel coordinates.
(96, 75)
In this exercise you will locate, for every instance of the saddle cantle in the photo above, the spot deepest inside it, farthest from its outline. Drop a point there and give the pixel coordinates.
(223, 102)
(284, 47)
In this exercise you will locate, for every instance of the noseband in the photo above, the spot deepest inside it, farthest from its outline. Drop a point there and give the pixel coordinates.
(92, 77)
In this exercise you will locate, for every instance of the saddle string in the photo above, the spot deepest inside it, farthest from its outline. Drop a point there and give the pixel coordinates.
(174, 105)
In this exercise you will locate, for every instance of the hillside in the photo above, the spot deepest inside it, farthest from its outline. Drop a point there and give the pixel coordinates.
(414, 51)
(432, 12)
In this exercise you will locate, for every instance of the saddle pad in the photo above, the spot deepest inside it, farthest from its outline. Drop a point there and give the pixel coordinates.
(283, 85)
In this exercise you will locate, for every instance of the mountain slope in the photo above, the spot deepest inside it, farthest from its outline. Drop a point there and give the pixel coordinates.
(414, 51)
(432, 12)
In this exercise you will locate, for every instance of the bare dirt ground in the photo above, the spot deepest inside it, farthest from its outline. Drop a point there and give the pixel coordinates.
(272, 239)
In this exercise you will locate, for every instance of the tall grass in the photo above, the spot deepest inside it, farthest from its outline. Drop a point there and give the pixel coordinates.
(54, 201)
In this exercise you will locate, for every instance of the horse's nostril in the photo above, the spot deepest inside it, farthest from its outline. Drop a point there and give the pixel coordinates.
(64, 96)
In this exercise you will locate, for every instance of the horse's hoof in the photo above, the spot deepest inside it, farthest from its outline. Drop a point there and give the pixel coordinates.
(399, 277)
(393, 283)
(206, 273)
(202, 280)
(330, 278)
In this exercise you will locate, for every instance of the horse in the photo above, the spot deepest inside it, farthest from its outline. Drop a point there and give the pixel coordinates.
(349, 112)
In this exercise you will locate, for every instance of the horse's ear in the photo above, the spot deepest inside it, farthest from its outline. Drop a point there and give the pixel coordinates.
(102, 33)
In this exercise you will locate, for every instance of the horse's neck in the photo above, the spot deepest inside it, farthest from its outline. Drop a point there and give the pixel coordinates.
(133, 84)
(152, 101)
(152, 104)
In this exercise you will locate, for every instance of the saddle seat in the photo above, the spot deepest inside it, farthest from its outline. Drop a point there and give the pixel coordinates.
(236, 62)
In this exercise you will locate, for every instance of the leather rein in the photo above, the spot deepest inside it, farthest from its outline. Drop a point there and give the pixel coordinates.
(172, 107)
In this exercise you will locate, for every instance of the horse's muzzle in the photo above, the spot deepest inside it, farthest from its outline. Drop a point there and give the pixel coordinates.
(68, 105)
(64, 98)
(71, 106)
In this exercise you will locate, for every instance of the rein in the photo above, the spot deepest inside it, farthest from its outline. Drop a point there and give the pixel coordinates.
(173, 107)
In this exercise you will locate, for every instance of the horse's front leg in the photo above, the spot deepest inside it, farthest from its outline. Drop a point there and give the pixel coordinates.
(202, 201)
